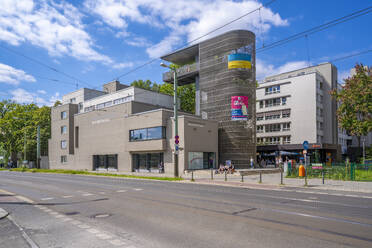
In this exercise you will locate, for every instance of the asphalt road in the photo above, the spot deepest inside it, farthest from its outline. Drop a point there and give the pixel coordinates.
(57, 210)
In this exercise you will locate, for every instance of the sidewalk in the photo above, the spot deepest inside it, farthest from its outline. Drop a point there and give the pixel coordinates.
(273, 181)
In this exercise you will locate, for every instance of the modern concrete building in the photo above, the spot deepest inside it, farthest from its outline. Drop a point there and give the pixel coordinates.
(296, 106)
(127, 129)
(224, 73)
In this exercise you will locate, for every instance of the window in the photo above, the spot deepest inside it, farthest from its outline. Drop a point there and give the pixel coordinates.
(260, 118)
(63, 159)
(272, 90)
(73, 100)
(286, 139)
(276, 101)
(123, 99)
(321, 125)
(261, 104)
(147, 133)
(63, 144)
(108, 104)
(80, 106)
(272, 128)
(101, 105)
(63, 129)
(284, 100)
(260, 129)
(321, 85)
(286, 126)
(88, 109)
(286, 114)
(63, 115)
(273, 140)
(77, 137)
(260, 140)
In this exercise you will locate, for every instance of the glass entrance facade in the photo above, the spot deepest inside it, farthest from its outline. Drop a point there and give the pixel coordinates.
(109, 161)
(147, 162)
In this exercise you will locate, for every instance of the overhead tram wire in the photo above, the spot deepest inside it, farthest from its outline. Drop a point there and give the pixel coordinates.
(351, 55)
(316, 29)
(45, 65)
(196, 39)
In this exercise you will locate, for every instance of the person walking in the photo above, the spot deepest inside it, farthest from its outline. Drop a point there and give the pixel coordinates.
(252, 163)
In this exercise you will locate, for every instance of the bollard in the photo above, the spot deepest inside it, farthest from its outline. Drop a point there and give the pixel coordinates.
(211, 173)
(305, 176)
(192, 176)
(260, 177)
(225, 175)
(242, 179)
(323, 176)
(281, 177)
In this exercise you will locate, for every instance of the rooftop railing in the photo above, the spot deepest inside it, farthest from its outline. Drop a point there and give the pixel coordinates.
(183, 70)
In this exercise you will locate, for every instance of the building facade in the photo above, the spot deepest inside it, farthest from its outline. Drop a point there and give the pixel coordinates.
(127, 129)
(223, 70)
(294, 107)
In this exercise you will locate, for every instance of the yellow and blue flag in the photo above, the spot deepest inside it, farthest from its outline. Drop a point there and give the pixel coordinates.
(239, 60)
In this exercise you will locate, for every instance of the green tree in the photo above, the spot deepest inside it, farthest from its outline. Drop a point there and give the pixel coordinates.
(355, 103)
(185, 93)
(20, 121)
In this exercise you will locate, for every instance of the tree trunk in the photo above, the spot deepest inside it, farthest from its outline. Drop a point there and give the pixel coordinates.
(359, 149)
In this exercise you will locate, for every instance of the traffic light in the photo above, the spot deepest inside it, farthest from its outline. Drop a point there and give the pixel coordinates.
(176, 139)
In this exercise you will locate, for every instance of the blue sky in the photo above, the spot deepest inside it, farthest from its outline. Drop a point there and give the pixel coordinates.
(95, 41)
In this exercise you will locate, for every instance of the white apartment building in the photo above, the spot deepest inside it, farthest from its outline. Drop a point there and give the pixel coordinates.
(296, 106)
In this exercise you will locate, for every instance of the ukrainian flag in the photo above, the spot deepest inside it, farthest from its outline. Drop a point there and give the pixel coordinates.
(239, 60)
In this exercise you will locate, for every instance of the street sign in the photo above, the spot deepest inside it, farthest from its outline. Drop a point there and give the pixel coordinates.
(305, 145)
(176, 149)
(176, 139)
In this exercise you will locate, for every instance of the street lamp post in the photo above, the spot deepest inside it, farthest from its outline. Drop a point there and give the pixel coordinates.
(175, 116)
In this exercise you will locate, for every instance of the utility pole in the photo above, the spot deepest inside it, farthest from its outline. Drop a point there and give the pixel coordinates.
(24, 146)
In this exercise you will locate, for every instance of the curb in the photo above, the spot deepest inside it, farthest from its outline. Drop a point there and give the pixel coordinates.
(3, 213)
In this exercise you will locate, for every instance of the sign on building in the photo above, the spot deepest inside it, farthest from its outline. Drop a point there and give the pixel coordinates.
(239, 108)
(239, 60)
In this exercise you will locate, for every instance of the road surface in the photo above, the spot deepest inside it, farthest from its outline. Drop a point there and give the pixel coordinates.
(56, 210)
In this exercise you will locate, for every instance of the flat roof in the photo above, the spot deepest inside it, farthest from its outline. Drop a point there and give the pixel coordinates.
(182, 56)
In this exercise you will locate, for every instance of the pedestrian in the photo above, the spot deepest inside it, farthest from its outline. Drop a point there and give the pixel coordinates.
(262, 163)
(252, 163)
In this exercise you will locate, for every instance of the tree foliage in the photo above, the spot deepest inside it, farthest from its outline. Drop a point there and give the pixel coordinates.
(186, 93)
(355, 103)
(19, 122)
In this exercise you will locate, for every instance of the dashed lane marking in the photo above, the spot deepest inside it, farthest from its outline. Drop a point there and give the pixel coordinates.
(117, 242)
(76, 222)
(103, 236)
(66, 219)
(83, 226)
(47, 198)
(92, 230)
(121, 191)
(137, 189)
(87, 194)
(53, 213)
(67, 196)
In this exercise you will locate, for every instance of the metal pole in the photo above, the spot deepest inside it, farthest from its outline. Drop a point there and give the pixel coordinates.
(260, 177)
(38, 148)
(305, 176)
(281, 177)
(225, 175)
(242, 178)
(175, 110)
(24, 146)
(364, 151)
(323, 176)
(211, 173)
(192, 176)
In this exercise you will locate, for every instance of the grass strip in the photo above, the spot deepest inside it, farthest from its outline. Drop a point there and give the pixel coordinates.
(75, 172)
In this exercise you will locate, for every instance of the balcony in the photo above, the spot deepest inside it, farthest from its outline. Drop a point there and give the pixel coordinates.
(185, 74)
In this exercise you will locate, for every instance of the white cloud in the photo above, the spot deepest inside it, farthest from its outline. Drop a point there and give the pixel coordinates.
(183, 19)
(264, 69)
(122, 65)
(343, 75)
(138, 42)
(23, 96)
(10, 75)
(58, 28)
(43, 92)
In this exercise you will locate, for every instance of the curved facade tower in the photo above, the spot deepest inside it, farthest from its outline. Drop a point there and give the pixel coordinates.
(224, 72)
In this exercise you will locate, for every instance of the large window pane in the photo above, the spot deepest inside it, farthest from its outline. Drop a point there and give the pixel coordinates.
(147, 133)
(154, 133)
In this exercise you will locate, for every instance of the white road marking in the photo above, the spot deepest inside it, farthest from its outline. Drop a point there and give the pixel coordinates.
(67, 196)
(87, 194)
(117, 242)
(76, 222)
(47, 210)
(59, 216)
(53, 213)
(102, 193)
(83, 226)
(47, 198)
(121, 191)
(66, 219)
(137, 189)
(103, 236)
(22, 198)
(24, 234)
(92, 230)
